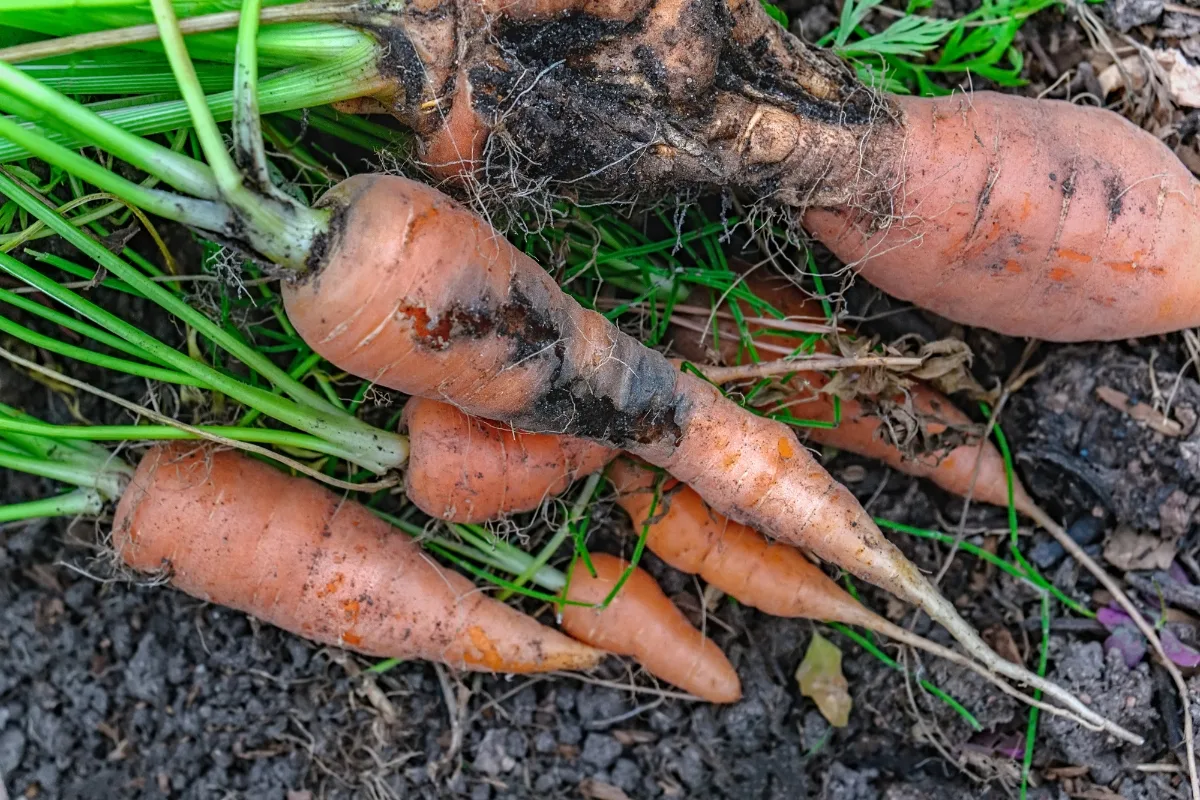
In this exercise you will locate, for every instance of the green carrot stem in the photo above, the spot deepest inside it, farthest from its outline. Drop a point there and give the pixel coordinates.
(485, 548)
(35, 443)
(320, 84)
(78, 503)
(228, 177)
(247, 130)
(560, 535)
(201, 213)
(185, 174)
(72, 324)
(372, 448)
(151, 290)
(98, 359)
(110, 483)
(156, 433)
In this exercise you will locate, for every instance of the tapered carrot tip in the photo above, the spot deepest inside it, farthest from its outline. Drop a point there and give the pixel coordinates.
(467, 469)
(240, 533)
(642, 622)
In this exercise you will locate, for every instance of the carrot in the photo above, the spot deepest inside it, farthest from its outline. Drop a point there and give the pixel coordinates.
(394, 282)
(775, 578)
(1030, 217)
(859, 431)
(468, 469)
(235, 531)
(455, 312)
(642, 622)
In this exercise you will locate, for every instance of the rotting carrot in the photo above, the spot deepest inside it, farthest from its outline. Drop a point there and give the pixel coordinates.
(468, 469)
(774, 578)
(642, 622)
(974, 468)
(394, 282)
(237, 532)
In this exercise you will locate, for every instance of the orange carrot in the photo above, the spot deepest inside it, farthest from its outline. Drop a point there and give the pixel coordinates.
(642, 622)
(685, 533)
(859, 431)
(235, 531)
(468, 469)
(418, 294)
(1030, 217)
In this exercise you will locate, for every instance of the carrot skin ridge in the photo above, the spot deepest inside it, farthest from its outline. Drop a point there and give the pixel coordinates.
(237, 532)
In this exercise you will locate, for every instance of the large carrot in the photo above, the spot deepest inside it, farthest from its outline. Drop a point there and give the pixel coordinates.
(642, 622)
(235, 531)
(396, 283)
(1030, 217)
(468, 469)
(975, 468)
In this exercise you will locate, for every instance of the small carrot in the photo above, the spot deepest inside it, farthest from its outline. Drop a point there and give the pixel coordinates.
(642, 622)
(974, 468)
(468, 469)
(235, 531)
(775, 578)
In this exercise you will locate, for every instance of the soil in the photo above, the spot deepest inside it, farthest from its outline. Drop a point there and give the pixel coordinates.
(111, 689)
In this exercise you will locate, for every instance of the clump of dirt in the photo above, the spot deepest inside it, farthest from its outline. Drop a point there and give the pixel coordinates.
(1084, 452)
(1121, 694)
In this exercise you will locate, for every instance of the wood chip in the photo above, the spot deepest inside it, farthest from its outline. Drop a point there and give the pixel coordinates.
(1153, 419)
(1128, 550)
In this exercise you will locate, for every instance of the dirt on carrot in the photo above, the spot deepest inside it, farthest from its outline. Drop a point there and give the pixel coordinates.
(235, 531)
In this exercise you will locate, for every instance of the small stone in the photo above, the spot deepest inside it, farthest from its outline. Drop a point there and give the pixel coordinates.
(626, 775)
(545, 742)
(570, 734)
(481, 791)
(12, 749)
(600, 750)
(1126, 14)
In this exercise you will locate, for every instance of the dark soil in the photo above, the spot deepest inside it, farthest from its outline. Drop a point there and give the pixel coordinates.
(110, 689)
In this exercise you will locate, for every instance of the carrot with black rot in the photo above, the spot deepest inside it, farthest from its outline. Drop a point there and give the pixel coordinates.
(394, 282)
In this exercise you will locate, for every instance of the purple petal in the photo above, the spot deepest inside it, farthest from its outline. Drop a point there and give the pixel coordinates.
(1112, 618)
(1129, 642)
(1182, 654)
(1178, 575)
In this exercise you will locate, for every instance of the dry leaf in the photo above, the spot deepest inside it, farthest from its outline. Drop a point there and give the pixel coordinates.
(1127, 549)
(1183, 77)
(820, 677)
(599, 790)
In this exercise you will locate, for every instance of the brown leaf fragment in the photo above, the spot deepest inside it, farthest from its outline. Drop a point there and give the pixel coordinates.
(1143, 413)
